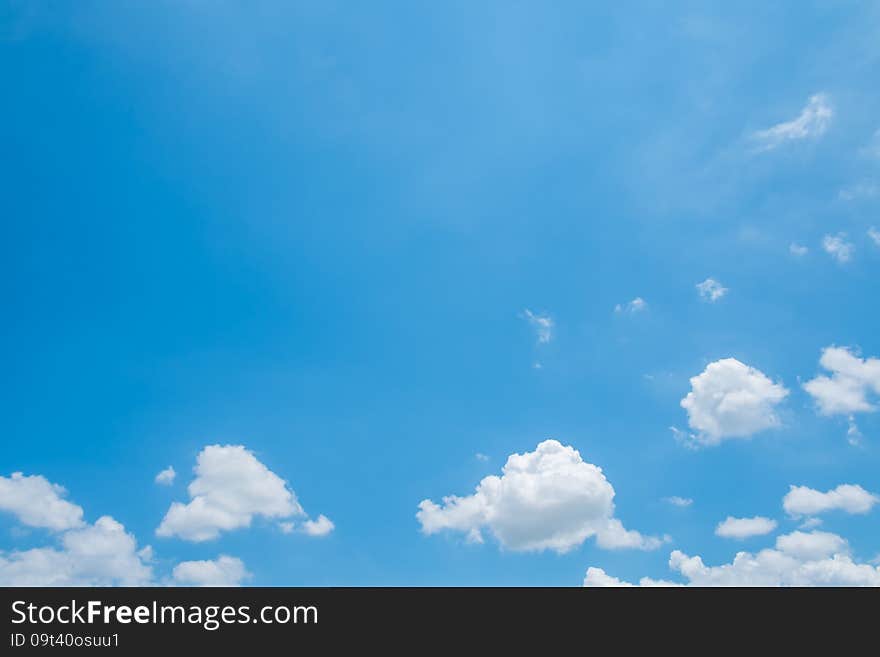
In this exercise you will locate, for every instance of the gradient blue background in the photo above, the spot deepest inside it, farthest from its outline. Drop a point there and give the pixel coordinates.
(311, 228)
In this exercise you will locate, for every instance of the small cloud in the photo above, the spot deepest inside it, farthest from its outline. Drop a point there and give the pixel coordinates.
(850, 498)
(853, 434)
(812, 122)
(874, 235)
(286, 527)
(635, 306)
(481, 457)
(741, 528)
(838, 248)
(711, 290)
(798, 250)
(543, 325)
(319, 527)
(675, 500)
(166, 477)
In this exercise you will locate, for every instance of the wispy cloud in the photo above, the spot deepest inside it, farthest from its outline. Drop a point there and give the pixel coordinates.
(543, 325)
(838, 248)
(711, 290)
(812, 122)
(798, 250)
(635, 306)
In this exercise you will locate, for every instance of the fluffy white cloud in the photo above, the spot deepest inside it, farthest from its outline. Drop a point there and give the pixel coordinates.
(166, 477)
(813, 121)
(711, 290)
(223, 571)
(103, 554)
(741, 528)
(230, 488)
(798, 559)
(547, 499)
(598, 578)
(846, 390)
(798, 249)
(543, 325)
(838, 247)
(635, 306)
(38, 503)
(731, 400)
(805, 501)
(815, 545)
(318, 527)
(675, 500)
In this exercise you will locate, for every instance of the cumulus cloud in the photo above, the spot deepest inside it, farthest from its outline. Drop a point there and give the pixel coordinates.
(851, 498)
(852, 378)
(635, 306)
(38, 503)
(741, 528)
(812, 122)
(838, 247)
(318, 527)
(231, 487)
(223, 571)
(711, 290)
(675, 500)
(166, 476)
(102, 554)
(731, 400)
(798, 559)
(549, 499)
(543, 325)
(798, 250)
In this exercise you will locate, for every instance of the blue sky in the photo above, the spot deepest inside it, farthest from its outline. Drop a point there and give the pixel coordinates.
(315, 230)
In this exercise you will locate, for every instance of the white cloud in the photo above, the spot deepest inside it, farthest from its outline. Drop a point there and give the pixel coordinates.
(741, 528)
(711, 290)
(853, 433)
(812, 122)
(731, 400)
(815, 545)
(230, 488)
(549, 499)
(318, 527)
(223, 571)
(543, 325)
(38, 503)
(874, 235)
(798, 250)
(481, 457)
(838, 248)
(805, 501)
(598, 578)
(852, 378)
(103, 554)
(635, 306)
(798, 559)
(675, 500)
(166, 476)
(810, 523)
